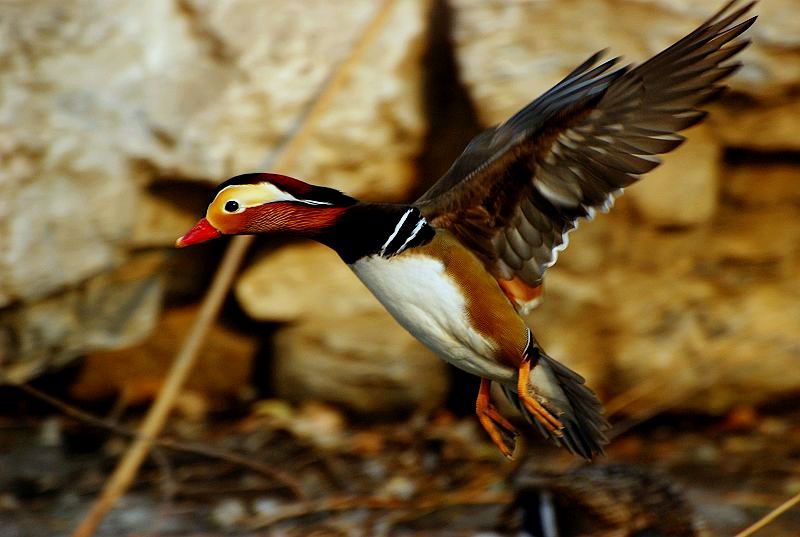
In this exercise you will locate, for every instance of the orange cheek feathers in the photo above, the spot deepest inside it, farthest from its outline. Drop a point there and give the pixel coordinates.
(288, 217)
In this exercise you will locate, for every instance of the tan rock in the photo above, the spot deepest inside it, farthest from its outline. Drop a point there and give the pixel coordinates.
(664, 312)
(136, 373)
(749, 354)
(301, 281)
(661, 338)
(684, 189)
(101, 99)
(68, 132)
(768, 126)
(61, 226)
(772, 64)
(366, 140)
(760, 238)
(573, 323)
(165, 212)
(112, 310)
(93, 92)
(366, 363)
(662, 293)
(591, 244)
(510, 52)
(763, 184)
(689, 344)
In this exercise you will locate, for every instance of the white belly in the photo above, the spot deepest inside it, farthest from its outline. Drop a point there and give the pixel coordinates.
(418, 293)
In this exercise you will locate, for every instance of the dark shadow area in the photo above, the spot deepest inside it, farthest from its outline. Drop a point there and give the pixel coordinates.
(452, 120)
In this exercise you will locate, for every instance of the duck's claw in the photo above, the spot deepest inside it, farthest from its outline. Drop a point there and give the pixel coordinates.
(534, 407)
(502, 433)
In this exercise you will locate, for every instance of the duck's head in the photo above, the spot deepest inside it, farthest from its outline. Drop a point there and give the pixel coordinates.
(267, 202)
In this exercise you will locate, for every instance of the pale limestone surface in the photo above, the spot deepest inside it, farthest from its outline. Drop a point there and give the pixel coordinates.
(299, 282)
(687, 288)
(365, 362)
(513, 50)
(372, 129)
(101, 99)
(115, 309)
(684, 190)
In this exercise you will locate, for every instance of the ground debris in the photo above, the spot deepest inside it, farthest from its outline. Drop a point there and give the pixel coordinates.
(425, 475)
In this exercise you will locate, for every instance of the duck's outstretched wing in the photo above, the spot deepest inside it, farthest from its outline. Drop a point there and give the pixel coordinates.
(520, 187)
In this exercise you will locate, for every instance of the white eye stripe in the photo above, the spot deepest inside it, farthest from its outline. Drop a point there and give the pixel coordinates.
(262, 193)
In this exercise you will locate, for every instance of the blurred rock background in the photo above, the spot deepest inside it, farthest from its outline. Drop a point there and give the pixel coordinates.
(117, 119)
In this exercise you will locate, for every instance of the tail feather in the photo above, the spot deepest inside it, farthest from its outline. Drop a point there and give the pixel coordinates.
(563, 392)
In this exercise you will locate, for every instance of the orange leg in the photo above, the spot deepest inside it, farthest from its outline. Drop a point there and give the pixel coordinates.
(542, 415)
(490, 418)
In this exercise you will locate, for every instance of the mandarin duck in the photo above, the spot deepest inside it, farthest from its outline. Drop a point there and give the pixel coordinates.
(460, 266)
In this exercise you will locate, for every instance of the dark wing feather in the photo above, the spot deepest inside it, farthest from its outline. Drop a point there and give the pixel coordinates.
(520, 187)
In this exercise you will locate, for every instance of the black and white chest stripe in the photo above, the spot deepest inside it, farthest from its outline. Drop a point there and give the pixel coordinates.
(378, 229)
(412, 229)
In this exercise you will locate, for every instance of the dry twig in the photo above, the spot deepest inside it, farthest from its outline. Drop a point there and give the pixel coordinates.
(770, 517)
(126, 470)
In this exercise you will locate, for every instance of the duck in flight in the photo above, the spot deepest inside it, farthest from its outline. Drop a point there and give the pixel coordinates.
(458, 267)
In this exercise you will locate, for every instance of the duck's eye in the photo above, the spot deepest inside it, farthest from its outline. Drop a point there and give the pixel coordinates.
(232, 206)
